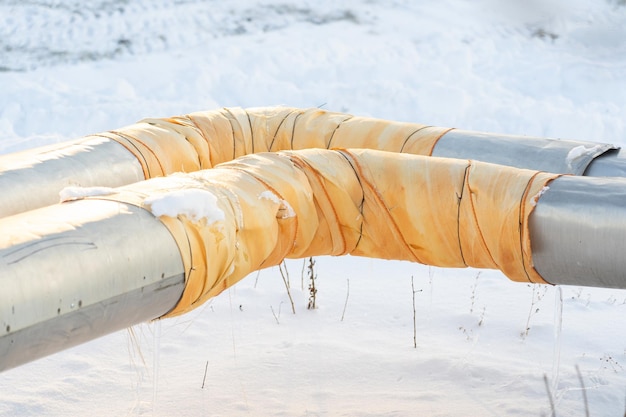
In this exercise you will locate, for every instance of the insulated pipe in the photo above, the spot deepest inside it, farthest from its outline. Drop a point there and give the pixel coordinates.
(157, 147)
(68, 274)
(78, 270)
(550, 155)
(34, 178)
(71, 273)
(610, 164)
(578, 231)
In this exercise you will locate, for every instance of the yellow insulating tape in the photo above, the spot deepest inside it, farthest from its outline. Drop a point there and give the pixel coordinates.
(295, 204)
(162, 146)
(202, 140)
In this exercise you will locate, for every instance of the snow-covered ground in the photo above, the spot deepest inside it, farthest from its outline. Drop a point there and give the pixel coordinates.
(485, 346)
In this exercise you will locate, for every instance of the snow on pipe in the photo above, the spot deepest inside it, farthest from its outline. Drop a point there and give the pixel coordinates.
(158, 147)
(74, 271)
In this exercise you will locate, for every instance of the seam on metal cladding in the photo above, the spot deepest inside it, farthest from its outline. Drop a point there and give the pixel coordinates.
(459, 198)
(278, 129)
(362, 203)
(332, 135)
(409, 137)
(21, 248)
(170, 285)
(90, 245)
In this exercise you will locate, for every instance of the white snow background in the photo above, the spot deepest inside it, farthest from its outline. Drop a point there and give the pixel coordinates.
(485, 346)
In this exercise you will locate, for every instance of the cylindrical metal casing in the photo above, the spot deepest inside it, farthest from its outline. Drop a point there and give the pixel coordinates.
(76, 271)
(540, 154)
(578, 232)
(609, 164)
(33, 178)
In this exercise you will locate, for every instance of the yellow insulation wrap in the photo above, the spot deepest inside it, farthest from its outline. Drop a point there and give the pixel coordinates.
(202, 140)
(263, 208)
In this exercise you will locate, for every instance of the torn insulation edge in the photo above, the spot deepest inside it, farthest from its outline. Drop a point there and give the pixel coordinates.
(285, 210)
(536, 197)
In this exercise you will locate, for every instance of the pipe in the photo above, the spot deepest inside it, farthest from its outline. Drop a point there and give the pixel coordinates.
(550, 155)
(74, 272)
(578, 232)
(610, 164)
(68, 275)
(34, 178)
(155, 270)
(157, 147)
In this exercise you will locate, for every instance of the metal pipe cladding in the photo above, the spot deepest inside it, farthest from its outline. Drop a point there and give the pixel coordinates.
(77, 271)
